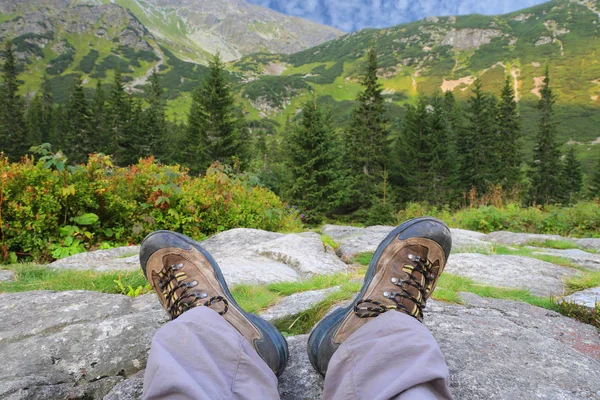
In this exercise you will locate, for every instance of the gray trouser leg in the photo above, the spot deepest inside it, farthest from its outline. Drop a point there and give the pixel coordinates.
(201, 356)
(392, 357)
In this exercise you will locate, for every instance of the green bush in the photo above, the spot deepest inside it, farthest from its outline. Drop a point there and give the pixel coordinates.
(48, 210)
(580, 220)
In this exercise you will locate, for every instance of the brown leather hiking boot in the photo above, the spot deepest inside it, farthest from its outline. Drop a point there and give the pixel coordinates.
(401, 276)
(184, 276)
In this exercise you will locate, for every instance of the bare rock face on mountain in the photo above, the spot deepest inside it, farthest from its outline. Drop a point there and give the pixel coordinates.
(233, 28)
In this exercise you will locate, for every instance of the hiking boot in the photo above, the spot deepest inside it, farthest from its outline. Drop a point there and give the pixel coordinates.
(184, 276)
(401, 276)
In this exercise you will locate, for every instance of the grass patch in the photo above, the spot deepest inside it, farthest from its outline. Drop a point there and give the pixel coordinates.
(314, 283)
(328, 240)
(363, 258)
(556, 244)
(581, 313)
(254, 298)
(583, 281)
(529, 252)
(127, 255)
(35, 277)
(449, 286)
(302, 323)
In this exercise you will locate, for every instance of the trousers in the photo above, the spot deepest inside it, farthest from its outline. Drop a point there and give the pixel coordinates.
(201, 356)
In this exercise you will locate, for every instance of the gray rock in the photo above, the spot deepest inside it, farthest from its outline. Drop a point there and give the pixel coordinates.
(464, 241)
(589, 244)
(73, 344)
(465, 39)
(120, 258)
(587, 298)
(244, 256)
(576, 256)
(129, 389)
(299, 381)
(511, 238)
(7, 276)
(354, 240)
(296, 303)
(498, 349)
(539, 277)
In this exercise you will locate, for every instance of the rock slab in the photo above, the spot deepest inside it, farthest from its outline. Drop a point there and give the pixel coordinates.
(78, 344)
(539, 277)
(7, 276)
(86, 345)
(248, 256)
(354, 240)
(587, 298)
(576, 256)
(296, 303)
(117, 259)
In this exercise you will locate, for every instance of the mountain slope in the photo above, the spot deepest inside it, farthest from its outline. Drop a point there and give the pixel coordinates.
(449, 54)
(351, 15)
(193, 29)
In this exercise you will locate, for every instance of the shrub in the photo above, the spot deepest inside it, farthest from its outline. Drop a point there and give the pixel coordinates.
(47, 211)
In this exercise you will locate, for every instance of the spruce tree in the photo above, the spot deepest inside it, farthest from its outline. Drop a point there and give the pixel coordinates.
(476, 143)
(47, 131)
(544, 173)
(571, 178)
(13, 132)
(78, 136)
(121, 138)
(99, 118)
(34, 120)
(507, 146)
(366, 139)
(214, 123)
(154, 119)
(594, 186)
(312, 164)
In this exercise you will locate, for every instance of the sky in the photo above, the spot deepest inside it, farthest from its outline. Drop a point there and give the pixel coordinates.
(351, 15)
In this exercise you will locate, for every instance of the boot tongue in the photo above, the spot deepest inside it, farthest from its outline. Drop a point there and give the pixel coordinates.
(414, 276)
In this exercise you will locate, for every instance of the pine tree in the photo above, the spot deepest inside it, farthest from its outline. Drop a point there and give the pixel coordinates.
(214, 123)
(78, 136)
(154, 119)
(594, 186)
(312, 164)
(99, 117)
(13, 131)
(34, 120)
(47, 131)
(121, 139)
(571, 178)
(507, 143)
(366, 139)
(476, 143)
(545, 184)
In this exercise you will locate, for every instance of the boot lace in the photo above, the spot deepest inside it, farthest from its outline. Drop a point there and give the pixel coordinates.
(178, 294)
(368, 308)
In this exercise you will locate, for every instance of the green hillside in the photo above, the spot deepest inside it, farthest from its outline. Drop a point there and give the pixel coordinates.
(433, 54)
(447, 54)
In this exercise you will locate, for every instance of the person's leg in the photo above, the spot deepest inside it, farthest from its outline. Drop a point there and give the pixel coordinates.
(213, 349)
(376, 348)
(392, 357)
(200, 356)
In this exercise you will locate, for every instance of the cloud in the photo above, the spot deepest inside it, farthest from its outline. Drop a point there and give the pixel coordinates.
(350, 15)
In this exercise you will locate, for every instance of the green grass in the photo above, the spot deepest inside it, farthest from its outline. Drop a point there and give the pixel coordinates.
(328, 241)
(583, 281)
(363, 258)
(529, 252)
(35, 277)
(254, 298)
(449, 286)
(556, 244)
